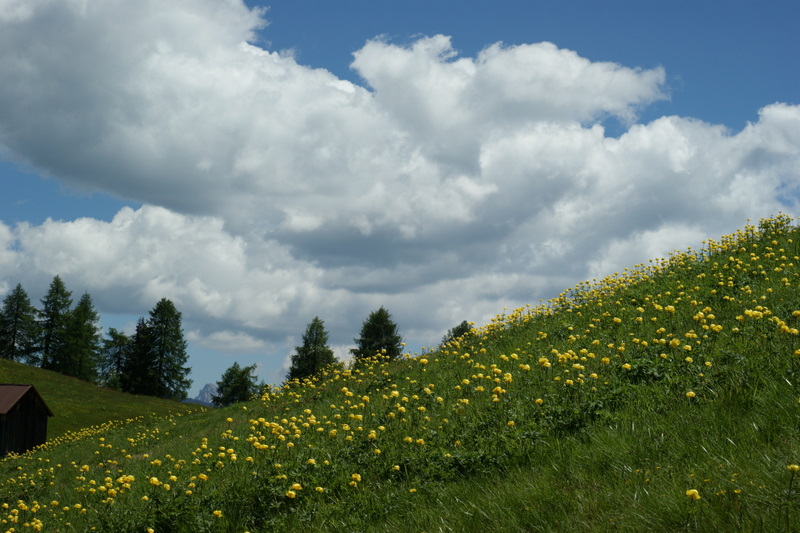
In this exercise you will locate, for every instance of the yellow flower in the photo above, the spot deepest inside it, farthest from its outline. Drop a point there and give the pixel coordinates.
(693, 494)
(793, 468)
(291, 494)
(355, 477)
(690, 394)
(217, 513)
(319, 489)
(297, 486)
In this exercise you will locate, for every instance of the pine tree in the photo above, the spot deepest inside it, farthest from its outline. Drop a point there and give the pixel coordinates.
(18, 328)
(238, 384)
(168, 351)
(378, 336)
(81, 357)
(116, 350)
(53, 317)
(314, 354)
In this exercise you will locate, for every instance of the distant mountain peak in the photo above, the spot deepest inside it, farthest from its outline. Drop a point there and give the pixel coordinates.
(205, 394)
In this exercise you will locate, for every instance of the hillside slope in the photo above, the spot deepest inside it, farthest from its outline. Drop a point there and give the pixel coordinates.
(77, 404)
(661, 399)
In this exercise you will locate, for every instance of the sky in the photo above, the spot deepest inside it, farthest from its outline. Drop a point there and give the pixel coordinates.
(263, 164)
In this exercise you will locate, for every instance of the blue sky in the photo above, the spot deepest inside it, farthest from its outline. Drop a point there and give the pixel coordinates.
(426, 168)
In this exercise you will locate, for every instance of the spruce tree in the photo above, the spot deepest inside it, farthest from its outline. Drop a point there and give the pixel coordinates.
(378, 336)
(238, 384)
(18, 328)
(116, 350)
(81, 357)
(168, 351)
(138, 376)
(457, 332)
(314, 354)
(53, 321)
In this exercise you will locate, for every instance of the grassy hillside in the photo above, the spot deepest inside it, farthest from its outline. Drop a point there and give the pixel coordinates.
(664, 398)
(77, 404)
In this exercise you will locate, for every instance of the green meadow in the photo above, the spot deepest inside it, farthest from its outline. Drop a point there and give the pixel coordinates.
(662, 398)
(79, 405)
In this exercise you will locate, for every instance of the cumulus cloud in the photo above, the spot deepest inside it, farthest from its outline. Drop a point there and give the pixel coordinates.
(444, 187)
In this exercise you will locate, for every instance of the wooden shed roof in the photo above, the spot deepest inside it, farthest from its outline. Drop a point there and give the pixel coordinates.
(11, 393)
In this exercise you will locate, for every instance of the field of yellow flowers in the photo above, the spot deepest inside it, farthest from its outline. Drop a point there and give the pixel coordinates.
(663, 398)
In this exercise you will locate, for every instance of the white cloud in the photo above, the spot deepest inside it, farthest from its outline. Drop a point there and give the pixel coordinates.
(445, 189)
(227, 341)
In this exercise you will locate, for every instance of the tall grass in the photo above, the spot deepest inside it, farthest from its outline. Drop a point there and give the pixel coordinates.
(663, 398)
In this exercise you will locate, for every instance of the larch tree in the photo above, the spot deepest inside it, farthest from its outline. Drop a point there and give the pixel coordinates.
(18, 328)
(378, 336)
(314, 354)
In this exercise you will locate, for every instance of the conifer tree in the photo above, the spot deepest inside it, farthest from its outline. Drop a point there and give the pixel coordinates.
(314, 354)
(378, 336)
(18, 328)
(457, 332)
(156, 356)
(53, 317)
(137, 376)
(168, 351)
(81, 351)
(238, 384)
(115, 351)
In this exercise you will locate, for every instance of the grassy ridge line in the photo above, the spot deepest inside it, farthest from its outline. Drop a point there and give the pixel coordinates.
(77, 404)
(661, 399)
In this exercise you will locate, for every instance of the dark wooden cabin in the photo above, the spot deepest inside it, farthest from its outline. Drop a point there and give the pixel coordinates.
(23, 418)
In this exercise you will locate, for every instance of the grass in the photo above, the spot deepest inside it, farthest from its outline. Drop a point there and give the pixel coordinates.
(664, 398)
(78, 405)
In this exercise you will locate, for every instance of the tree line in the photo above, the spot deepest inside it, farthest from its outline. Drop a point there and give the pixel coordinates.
(67, 339)
(378, 337)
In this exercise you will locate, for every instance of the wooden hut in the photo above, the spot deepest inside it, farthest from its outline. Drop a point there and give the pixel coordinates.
(23, 418)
